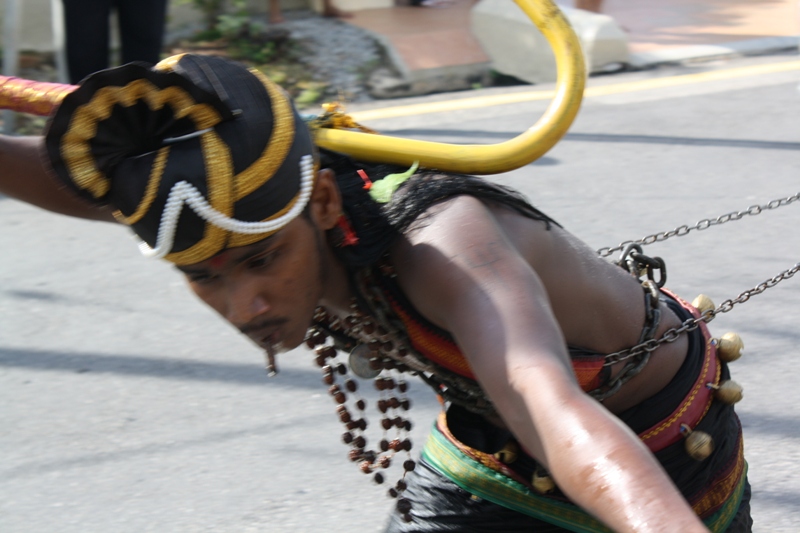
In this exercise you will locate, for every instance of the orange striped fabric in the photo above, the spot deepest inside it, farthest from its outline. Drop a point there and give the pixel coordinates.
(438, 347)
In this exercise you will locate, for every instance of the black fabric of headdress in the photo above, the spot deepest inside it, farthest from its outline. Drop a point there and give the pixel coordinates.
(126, 139)
(128, 131)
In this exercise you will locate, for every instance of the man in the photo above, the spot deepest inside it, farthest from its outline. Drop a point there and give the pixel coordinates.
(449, 278)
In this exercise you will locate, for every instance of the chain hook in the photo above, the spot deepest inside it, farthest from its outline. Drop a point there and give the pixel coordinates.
(636, 263)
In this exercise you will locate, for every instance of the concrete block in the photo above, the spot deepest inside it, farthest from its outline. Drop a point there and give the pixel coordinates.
(354, 5)
(387, 83)
(517, 48)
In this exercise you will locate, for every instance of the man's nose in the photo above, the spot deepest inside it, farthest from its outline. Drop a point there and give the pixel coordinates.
(245, 303)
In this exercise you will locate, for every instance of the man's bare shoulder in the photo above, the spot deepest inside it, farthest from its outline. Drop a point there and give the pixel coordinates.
(451, 246)
(464, 221)
(465, 243)
(444, 231)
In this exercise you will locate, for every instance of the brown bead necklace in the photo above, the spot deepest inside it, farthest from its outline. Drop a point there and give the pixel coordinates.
(377, 355)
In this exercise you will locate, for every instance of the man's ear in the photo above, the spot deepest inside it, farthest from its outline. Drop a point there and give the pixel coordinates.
(326, 201)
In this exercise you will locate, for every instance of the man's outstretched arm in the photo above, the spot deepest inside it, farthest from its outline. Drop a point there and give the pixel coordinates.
(461, 272)
(23, 176)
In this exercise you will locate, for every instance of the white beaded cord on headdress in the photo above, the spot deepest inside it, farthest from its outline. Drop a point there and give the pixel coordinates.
(185, 193)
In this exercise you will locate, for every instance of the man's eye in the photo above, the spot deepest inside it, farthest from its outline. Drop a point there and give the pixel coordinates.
(263, 260)
(202, 279)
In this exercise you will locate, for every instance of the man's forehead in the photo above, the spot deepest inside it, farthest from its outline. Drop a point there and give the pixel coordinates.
(229, 256)
(219, 260)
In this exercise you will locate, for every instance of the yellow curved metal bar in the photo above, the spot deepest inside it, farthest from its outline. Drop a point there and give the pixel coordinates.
(491, 158)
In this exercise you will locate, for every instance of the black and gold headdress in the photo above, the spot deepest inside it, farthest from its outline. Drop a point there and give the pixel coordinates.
(197, 154)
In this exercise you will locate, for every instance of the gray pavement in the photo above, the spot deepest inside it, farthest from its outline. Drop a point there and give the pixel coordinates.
(129, 407)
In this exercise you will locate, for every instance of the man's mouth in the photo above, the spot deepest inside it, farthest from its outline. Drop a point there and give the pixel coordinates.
(267, 334)
(271, 341)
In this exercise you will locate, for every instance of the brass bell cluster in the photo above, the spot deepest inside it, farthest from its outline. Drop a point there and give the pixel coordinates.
(703, 304)
(508, 454)
(699, 444)
(730, 346)
(541, 480)
(728, 391)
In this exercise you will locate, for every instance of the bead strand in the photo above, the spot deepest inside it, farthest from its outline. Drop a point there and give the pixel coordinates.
(381, 350)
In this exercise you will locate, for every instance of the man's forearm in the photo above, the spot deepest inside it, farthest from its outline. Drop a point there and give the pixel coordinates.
(23, 176)
(604, 468)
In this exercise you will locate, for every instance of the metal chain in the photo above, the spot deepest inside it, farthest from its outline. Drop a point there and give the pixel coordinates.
(701, 225)
(672, 334)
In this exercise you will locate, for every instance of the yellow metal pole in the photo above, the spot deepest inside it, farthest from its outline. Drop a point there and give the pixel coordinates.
(492, 158)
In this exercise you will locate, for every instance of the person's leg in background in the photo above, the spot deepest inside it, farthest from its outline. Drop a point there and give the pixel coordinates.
(274, 11)
(86, 26)
(141, 28)
(330, 10)
(275, 15)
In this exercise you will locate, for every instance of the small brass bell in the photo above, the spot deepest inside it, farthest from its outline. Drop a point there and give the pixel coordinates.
(542, 482)
(508, 454)
(728, 392)
(699, 444)
(703, 303)
(730, 347)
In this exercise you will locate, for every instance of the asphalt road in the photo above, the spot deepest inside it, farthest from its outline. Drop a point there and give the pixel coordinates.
(129, 407)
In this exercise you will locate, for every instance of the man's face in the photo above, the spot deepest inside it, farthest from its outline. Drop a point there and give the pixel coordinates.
(269, 289)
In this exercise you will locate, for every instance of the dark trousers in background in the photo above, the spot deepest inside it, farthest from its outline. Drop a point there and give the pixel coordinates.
(87, 24)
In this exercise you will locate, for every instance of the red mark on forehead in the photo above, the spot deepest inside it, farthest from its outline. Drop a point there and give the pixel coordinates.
(219, 260)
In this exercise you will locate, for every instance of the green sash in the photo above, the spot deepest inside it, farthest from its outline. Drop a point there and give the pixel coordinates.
(489, 484)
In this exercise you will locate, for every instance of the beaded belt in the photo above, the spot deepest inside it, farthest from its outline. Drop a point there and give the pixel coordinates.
(694, 406)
